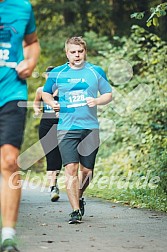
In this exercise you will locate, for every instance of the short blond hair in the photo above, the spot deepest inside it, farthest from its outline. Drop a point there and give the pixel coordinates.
(75, 41)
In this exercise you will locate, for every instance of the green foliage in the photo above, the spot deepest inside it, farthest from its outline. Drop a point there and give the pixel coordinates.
(156, 13)
(106, 18)
(137, 15)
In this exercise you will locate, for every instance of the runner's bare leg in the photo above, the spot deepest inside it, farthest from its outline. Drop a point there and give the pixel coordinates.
(72, 184)
(10, 197)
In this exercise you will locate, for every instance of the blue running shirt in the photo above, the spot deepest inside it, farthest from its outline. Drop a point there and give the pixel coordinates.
(74, 85)
(16, 21)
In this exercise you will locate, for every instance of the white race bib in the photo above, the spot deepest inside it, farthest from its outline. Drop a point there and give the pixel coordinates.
(76, 98)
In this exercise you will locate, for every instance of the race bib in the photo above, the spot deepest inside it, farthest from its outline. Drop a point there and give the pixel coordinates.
(76, 98)
(48, 109)
(7, 53)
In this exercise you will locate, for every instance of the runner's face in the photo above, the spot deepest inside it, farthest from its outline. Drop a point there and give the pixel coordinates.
(76, 55)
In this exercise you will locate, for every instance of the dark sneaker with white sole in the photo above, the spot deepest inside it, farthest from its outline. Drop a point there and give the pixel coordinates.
(82, 204)
(75, 217)
(54, 195)
(9, 246)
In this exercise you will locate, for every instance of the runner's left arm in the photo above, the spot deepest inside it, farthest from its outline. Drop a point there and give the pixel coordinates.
(101, 100)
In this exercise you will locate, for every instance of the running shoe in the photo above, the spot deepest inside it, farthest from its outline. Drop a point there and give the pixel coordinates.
(75, 217)
(82, 204)
(9, 246)
(54, 195)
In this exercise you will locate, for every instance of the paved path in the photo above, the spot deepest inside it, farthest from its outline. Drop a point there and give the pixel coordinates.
(43, 226)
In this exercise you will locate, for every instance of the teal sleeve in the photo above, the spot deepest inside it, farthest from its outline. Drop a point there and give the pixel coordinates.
(31, 26)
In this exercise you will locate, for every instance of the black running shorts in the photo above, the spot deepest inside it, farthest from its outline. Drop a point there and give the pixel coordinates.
(79, 146)
(12, 124)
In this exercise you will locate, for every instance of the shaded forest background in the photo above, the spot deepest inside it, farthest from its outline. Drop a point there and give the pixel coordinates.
(132, 161)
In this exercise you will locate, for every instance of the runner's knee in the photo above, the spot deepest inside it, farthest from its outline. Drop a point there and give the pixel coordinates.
(9, 163)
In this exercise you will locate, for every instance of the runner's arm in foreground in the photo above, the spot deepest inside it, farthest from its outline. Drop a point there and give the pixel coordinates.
(31, 55)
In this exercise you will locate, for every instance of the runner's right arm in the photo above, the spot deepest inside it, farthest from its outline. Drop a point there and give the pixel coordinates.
(37, 101)
(48, 98)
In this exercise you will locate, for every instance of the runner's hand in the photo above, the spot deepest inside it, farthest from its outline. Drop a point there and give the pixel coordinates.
(91, 102)
(56, 106)
(25, 68)
(37, 111)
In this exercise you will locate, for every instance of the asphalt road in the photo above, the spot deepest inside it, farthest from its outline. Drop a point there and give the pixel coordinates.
(43, 226)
